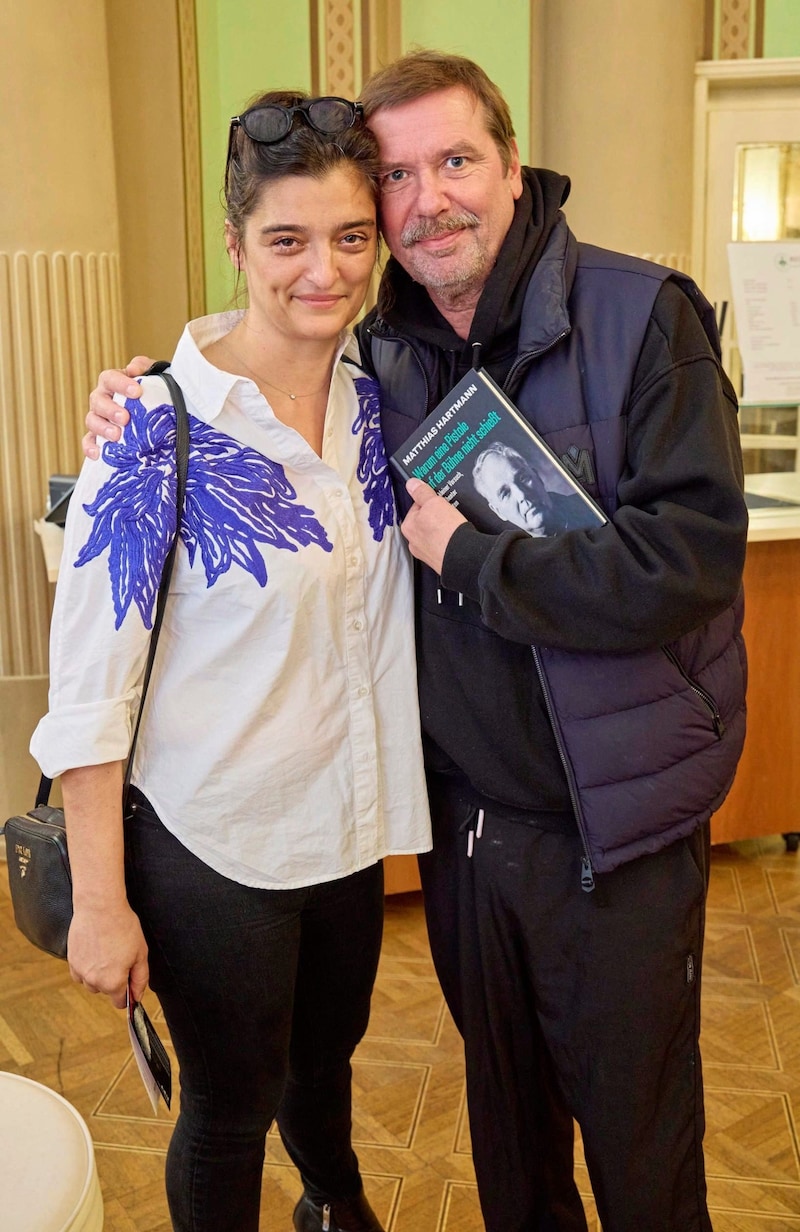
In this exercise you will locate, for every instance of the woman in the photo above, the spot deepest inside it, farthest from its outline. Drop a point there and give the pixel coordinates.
(279, 758)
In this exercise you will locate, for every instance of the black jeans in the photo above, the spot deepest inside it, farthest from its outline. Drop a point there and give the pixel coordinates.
(573, 1004)
(266, 994)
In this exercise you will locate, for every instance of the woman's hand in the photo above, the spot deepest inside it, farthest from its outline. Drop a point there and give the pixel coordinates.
(107, 418)
(105, 944)
(105, 948)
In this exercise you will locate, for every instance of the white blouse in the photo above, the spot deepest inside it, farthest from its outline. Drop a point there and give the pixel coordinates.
(280, 741)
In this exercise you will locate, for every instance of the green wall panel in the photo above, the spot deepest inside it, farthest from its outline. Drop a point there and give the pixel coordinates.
(782, 28)
(496, 35)
(243, 47)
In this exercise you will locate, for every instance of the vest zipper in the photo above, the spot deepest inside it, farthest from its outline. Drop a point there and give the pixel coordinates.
(587, 872)
(528, 358)
(703, 694)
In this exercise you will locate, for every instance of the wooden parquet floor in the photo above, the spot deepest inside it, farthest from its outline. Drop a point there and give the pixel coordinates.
(410, 1126)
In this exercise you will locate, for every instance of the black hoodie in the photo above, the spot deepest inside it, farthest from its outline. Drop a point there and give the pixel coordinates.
(502, 774)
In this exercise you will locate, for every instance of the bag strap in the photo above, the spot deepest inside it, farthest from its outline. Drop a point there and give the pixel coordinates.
(181, 471)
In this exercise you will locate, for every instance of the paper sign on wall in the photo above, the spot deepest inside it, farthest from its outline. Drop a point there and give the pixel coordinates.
(765, 282)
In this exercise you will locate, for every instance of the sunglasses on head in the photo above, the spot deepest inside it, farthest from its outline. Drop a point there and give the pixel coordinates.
(269, 123)
(272, 122)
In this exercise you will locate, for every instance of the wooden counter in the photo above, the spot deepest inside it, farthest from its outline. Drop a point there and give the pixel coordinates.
(765, 797)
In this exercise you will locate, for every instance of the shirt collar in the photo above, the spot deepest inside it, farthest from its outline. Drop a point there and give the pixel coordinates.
(206, 387)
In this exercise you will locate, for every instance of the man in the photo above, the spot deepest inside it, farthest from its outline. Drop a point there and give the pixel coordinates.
(582, 695)
(516, 493)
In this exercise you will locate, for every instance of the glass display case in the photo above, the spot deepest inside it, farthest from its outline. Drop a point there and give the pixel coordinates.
(770, 437)
(765, 207)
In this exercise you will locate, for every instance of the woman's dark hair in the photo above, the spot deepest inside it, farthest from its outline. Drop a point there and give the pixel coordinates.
(303, 151)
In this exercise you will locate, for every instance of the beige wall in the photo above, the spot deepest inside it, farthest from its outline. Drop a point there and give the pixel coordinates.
(59, 288)
(56, 160)
(23, 701)
(145, 90)
(616, 101)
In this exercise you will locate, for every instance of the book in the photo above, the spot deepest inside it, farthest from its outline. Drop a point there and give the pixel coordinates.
(477, 451)
(150, 1054)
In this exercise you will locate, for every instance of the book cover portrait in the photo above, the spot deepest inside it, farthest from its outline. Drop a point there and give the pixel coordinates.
(477, 451)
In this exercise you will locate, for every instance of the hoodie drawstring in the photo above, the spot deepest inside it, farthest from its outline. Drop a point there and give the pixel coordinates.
(439, 594)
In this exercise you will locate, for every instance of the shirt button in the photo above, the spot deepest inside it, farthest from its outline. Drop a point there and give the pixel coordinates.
(353, 560)
(358, 625)
(363, 691)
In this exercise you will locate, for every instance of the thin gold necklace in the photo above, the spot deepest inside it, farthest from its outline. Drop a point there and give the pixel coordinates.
(262, 380)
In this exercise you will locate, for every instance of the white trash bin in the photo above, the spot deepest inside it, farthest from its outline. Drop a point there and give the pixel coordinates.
(48, 1177)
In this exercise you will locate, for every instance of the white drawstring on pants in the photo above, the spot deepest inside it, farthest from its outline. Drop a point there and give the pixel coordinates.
(473, 834)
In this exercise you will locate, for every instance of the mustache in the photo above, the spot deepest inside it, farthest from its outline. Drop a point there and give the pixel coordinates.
(431, 228)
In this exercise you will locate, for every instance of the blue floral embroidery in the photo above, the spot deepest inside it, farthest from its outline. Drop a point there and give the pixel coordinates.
(373, 470)
(235, 499)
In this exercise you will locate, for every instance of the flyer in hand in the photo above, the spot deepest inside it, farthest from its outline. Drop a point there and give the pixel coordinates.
(151, 1056)
(478, 452)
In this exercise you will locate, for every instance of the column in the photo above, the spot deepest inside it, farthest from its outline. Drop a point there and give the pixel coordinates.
(617, 97)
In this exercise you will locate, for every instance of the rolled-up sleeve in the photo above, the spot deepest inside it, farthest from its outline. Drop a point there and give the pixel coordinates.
(90, 735)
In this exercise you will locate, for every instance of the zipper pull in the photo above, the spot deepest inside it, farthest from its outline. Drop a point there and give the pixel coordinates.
(587, 876)
(470, 843)
(326, 1217)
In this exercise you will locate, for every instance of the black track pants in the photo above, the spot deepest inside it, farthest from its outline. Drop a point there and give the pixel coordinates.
(574, 1004)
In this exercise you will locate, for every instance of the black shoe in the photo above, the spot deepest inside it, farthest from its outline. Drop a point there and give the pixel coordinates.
(338, 1215)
